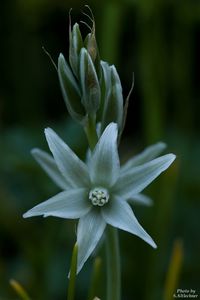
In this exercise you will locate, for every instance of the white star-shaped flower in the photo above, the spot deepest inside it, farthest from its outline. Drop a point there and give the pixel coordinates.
(97, 193)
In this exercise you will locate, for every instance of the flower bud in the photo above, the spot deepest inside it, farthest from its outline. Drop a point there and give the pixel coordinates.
(91, 92)
(112, 98)
(75, 45)
(70, 90)
(91, 45)
(105, 84)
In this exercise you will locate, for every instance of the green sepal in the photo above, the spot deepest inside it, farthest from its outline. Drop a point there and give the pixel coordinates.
(90, 87)
(70, 90)
(113, 98)
(75, 45)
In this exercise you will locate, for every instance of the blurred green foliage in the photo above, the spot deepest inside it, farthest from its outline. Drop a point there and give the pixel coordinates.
(159, 41)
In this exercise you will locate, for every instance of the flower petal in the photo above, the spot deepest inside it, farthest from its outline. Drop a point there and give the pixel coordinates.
(136, 179)
(90, 230)
(148, 154)
(69, 204)
(141, 199)
(104, 166)
(71, 167)
(48, 164)
(120, 215)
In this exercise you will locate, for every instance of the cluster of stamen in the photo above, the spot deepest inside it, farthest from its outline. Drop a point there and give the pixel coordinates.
(99, 196)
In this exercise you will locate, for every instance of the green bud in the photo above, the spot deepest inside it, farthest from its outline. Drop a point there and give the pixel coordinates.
(91, 92)
(112, 105)
(75, 45)
(105, 87)
(91, 45)
(90, 41)
(70, 90)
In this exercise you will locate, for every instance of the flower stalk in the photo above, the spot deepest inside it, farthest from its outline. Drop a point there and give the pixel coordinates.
(90, 130)
(94, 285)
(72, 275)
(113, 264)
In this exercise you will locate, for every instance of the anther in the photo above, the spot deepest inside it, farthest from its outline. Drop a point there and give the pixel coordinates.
(99, 196)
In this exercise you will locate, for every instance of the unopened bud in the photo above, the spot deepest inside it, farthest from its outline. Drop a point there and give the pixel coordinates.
(70, 90)
(89, 83)
(91, 45)
(75, 45)
(112, 110)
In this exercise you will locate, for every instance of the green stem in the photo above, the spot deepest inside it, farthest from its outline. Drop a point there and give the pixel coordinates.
(113, 265)
(94, 286)
(90, 130)
(72, 276)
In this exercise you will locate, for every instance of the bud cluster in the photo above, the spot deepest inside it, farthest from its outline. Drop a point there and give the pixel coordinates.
(91, 87)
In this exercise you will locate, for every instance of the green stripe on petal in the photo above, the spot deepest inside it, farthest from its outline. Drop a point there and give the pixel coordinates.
(148, 154)
(71, 167)
(71, 204)
(120, 215)
(48, 164)
(104, 166)
(90, 230)
(136, 179)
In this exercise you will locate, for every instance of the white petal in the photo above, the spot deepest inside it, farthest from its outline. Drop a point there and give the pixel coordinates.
(141, 199)
(90, 230)
(148, 154)
(120, 215)
(88, 156)
(104, 165)
(71, 204)
(71, 167)
(48, 164)
(136, 179)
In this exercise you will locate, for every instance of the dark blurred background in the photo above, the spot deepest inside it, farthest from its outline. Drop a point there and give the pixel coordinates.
(160, 42)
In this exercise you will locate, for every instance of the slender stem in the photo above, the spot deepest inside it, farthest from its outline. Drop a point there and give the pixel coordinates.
(94, 286)
(72, 275)
(113, 265)
(90, 130)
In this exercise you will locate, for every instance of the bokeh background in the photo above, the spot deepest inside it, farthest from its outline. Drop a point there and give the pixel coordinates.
(160, 42)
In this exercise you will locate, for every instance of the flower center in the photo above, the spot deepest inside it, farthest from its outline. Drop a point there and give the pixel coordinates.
(99, 196)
